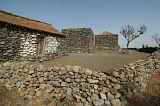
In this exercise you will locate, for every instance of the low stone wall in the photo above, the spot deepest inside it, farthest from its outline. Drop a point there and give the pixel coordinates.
(107, 42)
(83, 85)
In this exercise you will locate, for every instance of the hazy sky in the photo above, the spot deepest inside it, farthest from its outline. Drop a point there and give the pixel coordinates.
(100, 15)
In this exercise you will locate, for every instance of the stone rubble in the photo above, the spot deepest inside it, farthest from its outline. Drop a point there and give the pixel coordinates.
(74, 83)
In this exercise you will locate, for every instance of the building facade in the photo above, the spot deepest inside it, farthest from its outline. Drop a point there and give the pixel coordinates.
(106, 41)
(23, 38)
(78, 40)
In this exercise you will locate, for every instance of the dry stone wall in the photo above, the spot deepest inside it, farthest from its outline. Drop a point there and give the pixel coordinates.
(51, 44)
(74, 83)
(83, 40)
(107, 42)
(79, 40)
(28, 45)
(9, 45)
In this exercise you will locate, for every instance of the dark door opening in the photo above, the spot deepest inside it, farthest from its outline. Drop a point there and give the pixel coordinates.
(40, 46)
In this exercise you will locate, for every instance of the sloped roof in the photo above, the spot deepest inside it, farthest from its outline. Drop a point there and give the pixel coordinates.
(105, 33)
(28, 23)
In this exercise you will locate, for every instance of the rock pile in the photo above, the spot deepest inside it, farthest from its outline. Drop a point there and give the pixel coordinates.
(78, 84)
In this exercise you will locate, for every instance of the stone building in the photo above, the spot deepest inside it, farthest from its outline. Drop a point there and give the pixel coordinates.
(22, 38)
(106, 41)
(83, 40)
(78, 40)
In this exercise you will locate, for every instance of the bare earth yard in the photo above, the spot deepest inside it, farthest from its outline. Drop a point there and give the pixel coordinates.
(97, 61)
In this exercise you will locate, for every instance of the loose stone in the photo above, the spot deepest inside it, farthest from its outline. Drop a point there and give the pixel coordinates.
(88, 72)
(103, 96)
(49, 88)
(115, 74)
(110, 96)
(92, 80)
(107, 82)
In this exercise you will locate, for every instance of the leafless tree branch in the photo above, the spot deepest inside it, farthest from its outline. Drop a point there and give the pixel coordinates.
(130, 34)
(156, 37)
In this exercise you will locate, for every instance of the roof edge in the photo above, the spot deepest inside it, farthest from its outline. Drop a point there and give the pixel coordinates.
(23, 17)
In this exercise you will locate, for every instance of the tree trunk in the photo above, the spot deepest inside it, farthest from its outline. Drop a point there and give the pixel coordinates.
(127, 44)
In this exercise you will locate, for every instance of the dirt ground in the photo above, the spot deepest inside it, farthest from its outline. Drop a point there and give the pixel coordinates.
(151, 95)
(97, 61)
(11, 97)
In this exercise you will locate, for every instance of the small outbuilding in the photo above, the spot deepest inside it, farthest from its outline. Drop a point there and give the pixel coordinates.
(23, 38)
(106, 41)
(78, 40)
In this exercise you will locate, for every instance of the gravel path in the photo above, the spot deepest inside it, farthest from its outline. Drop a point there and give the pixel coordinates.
(98, 61)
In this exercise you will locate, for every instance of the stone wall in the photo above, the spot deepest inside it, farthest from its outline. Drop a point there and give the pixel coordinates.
(51, 44)
(9, 44)
(28, 46)
(83, 40)
(78, 84)
(79, 40)
(107, 42)
(18, 43)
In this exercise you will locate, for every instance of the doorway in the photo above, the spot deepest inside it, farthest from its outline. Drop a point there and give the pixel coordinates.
(40, 46)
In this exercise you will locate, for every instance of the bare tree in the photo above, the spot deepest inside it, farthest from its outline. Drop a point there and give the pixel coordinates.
(130, 34)
(156, 37)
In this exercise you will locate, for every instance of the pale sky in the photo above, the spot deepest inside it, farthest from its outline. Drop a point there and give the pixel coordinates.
(100, 15)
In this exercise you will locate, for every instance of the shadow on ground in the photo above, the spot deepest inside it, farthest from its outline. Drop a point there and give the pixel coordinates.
(144, 100)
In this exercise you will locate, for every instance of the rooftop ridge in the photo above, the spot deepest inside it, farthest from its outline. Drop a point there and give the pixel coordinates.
(23, 17)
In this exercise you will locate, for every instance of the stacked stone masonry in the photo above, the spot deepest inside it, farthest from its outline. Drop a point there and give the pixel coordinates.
(107, 42)
(79, 40)
(51, 45)
(83, 40)
(90, 88)
(18, 43)
(28, 44)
